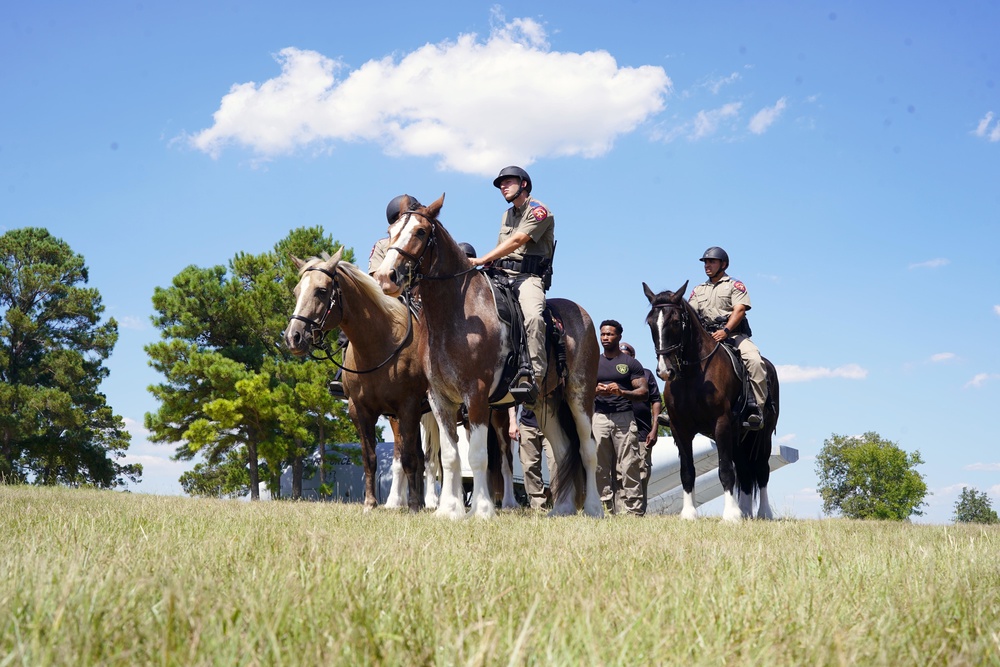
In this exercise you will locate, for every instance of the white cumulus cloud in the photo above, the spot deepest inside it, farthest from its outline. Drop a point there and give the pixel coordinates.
(942, 356)
(764, 118)
(809, 373)
(983, 129)
(996, 309)
(474, 104)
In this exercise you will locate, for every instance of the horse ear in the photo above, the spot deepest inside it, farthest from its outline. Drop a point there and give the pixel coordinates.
(650, 294)
(435, 208)
(296, 261)
(683, 290)
(336, 258)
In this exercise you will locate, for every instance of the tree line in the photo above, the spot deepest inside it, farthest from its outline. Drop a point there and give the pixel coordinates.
(229, 392)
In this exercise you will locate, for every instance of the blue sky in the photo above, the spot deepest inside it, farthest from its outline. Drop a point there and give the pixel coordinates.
(846, 155)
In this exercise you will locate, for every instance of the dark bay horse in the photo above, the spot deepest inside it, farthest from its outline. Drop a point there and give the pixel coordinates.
(464, 357)
(384, 343)
(701, 394)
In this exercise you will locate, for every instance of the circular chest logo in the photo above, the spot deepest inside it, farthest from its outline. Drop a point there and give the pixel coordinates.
(622, 368)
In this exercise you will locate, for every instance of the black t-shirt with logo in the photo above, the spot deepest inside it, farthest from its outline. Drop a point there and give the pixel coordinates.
(644, 409)
(622, 370)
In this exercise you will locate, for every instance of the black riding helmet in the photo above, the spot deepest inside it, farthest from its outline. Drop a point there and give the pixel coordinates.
(467, 249)
(392, 210)
(715, 252)
(513, 171)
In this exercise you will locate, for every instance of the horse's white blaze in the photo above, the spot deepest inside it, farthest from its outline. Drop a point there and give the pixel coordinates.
(731, 510)
(661, 361)
(689, 511)
(482, 504)
(764, 506)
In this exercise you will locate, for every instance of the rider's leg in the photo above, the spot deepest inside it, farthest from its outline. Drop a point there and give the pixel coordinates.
(758, 378)
(531, 296)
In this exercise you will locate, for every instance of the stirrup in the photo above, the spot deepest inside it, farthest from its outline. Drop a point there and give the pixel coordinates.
(523, 388)
(337, 389)
(754, 421)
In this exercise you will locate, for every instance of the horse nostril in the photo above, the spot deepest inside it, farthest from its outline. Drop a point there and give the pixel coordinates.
(394, 277)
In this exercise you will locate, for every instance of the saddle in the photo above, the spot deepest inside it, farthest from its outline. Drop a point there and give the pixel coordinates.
(518, 362)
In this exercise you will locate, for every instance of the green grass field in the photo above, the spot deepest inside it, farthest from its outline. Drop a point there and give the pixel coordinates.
(102, 578)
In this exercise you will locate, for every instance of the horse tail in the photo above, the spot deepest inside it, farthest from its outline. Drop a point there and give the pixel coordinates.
(569, 474)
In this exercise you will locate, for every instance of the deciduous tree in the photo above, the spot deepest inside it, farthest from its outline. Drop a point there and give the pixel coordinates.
(55, 424)
(974, 506)
(867, 477)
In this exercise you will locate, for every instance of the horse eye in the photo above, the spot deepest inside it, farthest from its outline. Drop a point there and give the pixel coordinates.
(421, 233)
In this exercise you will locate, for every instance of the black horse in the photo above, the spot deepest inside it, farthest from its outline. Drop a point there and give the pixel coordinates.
(702, 395)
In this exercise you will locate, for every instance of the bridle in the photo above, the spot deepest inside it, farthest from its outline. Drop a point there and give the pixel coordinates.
(411, 277)
(675, 353)
(316, 332)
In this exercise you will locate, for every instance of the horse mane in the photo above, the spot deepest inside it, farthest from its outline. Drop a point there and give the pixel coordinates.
(394, 309)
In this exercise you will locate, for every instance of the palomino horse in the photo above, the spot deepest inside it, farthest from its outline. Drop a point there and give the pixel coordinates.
(385, 373)
(464, 358)
(701, 392)
(385, 342)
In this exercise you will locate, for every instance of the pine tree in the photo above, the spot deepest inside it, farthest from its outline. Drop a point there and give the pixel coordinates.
(55, 424)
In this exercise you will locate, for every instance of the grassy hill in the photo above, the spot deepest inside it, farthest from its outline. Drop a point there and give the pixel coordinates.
(102, 578)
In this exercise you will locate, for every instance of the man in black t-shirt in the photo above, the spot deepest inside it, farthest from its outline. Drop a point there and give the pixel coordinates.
(620, 381)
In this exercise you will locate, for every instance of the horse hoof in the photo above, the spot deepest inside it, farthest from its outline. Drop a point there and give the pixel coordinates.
(689, 515)
(732, 516)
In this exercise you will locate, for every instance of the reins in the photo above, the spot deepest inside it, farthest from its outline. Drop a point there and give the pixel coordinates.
(318, 335)
(670, 350)
(412, 277)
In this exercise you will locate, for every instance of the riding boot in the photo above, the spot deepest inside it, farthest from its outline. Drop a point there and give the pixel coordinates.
(754, 415)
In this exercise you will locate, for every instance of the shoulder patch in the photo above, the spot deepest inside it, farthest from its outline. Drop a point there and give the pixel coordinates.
(692, 295)
(539, 212)
(739, 286)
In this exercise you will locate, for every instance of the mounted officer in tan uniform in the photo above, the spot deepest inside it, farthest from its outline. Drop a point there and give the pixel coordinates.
(524, 251)
(721, 304)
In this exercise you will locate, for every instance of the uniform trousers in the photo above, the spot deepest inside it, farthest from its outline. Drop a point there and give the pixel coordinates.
(755, 367)
(531, 296)
(530, 448)
(618, 462)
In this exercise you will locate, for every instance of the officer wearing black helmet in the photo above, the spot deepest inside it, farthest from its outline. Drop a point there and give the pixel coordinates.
(524, 251)
(722, 303)
(392, 212)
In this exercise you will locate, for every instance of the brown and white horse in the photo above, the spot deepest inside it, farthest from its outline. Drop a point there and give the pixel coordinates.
(464, 357)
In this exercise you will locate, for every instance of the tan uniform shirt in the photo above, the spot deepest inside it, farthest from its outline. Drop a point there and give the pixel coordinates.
(711, 301)
(378, 255)
(534, 219)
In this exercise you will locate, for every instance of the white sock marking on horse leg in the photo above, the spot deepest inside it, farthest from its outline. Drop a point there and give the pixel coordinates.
(482, 503)
(398, 491)
(689, 512)
(431, 444)
(746, 504)
(764, 506)
(452, 505)
(592, 505)
(731, 512)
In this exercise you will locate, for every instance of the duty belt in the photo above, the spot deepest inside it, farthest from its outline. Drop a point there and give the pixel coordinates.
(518, 265)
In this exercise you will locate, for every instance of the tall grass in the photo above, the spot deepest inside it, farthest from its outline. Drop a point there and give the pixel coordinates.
(101, 578)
